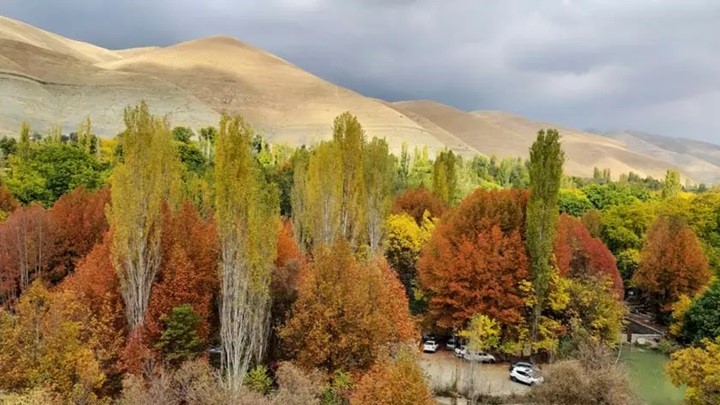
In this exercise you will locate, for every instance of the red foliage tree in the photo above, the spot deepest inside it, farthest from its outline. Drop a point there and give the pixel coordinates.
(78, 223)
(136, 357)
(415, 202)
(672, 263)
(579, 255)
(95, 282)
(8, 202)
(284, 283)
(25, 249)
(476, 260)
(188, 274)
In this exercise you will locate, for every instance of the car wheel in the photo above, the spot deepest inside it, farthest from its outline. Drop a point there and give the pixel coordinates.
(513, 379)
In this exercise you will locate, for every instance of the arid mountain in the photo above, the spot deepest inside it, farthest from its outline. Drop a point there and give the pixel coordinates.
(51, 80)
(700, 160)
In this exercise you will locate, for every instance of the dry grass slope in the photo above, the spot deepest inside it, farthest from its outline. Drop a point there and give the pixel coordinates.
(51, 80)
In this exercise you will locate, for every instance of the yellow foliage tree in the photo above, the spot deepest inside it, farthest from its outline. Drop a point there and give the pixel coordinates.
(482, 334)
(248, 223)
(697, 368)
(48, 343)
(404, 240)
(679, 308)
(147, 178)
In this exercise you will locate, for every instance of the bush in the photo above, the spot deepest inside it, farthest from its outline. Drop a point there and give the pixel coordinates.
(593, 378)
(338, 391)
(193, 383)
(258, 380)
(667, 346)
(297, 387)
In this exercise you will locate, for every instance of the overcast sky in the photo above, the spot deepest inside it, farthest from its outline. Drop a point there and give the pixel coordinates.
(650, 65)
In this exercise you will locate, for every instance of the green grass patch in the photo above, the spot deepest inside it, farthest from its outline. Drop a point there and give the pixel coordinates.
(646, 371)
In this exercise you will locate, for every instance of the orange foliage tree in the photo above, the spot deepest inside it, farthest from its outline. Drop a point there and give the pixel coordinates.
(188, 272)
(78, 223)
(672, 263)
(579, 255)
(25, 249)
(8, 202)
(346, 311)
(97, 287)
(415, 202)
(396, 380)
(284, 284)
(476, 260)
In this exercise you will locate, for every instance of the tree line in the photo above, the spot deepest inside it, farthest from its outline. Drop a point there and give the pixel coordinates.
(319, 266)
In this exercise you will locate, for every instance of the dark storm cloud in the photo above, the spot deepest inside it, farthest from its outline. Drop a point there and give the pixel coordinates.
(645, 64)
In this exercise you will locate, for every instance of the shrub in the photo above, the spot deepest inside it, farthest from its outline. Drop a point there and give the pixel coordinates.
(592, 378)
(296, 387)
(258, 380)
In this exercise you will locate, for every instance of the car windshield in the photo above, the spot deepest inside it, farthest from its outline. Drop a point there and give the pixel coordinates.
(430, 342)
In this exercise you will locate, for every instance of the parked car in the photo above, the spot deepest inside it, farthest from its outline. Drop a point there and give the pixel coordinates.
(430, 346)
(451, 343)
(481, 357)
(525, 375)
(521, 364)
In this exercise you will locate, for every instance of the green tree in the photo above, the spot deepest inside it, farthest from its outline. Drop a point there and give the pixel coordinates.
(192, 157)
(574, 202)
(50, 170)
(402, 180)
(180, 341)
(445, 176)
(182, 134)
(247, 208)
(24, 144)
(702, 319)
(208, 135)
(147, 179)
(421, 168)
(672, 185)
(546, 168)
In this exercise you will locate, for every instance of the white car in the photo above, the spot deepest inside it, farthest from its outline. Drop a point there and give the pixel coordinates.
(430, 346)
(481, 357)
(451, 344)
(525, 375)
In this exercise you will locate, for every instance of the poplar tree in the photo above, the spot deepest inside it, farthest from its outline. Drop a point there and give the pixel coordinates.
(146, 179)
(247, 208)
(379, 177)
(324, 194)
(329, 190)
(350, 138)
(546, 168)
(671, 185)
(445, 176)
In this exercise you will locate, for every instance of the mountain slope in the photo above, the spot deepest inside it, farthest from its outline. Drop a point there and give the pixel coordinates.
(286, 103)
(503, 134)
(701, 160)
(51, 80)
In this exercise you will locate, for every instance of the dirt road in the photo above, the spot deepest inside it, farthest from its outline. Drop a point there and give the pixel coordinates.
(446, 370)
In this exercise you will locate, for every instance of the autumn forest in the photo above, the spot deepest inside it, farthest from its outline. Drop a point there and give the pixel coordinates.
(171, 266)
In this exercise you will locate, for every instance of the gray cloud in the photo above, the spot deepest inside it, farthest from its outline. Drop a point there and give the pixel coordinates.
(652, 65)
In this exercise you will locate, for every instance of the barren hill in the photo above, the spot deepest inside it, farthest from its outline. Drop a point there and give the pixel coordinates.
(51, 80)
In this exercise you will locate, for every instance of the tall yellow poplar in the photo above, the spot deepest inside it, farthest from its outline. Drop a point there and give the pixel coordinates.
(248, 222)
(147, 178)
